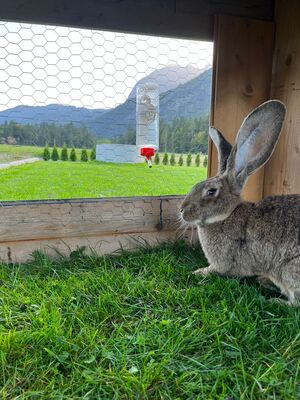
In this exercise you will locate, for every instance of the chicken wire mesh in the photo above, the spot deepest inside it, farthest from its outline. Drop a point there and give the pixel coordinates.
(70, 87)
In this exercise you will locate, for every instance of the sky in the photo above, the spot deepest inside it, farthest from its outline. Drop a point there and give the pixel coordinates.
(42, 64)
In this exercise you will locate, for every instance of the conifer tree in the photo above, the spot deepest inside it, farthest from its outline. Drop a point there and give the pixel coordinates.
(84, 155)
(54, 154)
(165, 160)
(64, 154)
(172, 159)
(156, 159)
(93, 154)
(46, 153)
(73, 156)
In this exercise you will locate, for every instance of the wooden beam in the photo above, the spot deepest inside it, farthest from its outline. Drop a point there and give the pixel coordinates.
(282, 172)
(243, 53)
(104, 225)
(175, 18)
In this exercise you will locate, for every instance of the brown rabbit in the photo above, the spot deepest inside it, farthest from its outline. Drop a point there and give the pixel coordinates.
(241, 238)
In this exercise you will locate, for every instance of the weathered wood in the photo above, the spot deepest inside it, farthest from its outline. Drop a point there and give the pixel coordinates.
(282, 172)
(179, 18)
(243, 56)
(104, 225)
(21, 251)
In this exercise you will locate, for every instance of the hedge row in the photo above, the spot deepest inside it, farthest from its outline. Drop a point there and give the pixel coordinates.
(63, 154)
(172, 160)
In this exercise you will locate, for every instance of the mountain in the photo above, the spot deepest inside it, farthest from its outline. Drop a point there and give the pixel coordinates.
(188, 99)
(168, 78)
(57, 113)
(191, 99)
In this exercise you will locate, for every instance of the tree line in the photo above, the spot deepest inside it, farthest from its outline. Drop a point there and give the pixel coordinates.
(188, 161)
(182, 135)
(46, 133)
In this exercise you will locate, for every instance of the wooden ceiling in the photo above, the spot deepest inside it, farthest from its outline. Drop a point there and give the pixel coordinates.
(191, 19)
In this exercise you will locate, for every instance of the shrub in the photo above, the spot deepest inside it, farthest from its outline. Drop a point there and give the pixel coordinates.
(205, 162)
(156, 159)
(189, 160)
(73, 156)
(172, 159)
(165, 160)
(54, 154)
(197, 160)
(46, 153)
(64, 154)
(180, 161)
(93, 154)
(84, 155)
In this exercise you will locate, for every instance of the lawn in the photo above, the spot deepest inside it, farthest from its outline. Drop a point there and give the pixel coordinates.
(10, 153)
(60, 180)
(140, 326)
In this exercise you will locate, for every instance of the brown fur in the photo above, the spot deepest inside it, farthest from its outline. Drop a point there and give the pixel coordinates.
(248, 239)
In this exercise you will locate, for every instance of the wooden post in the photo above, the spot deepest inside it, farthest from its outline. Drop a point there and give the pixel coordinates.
(282, 172)
(243, 52)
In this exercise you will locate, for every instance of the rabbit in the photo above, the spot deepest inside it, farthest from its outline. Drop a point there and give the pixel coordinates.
(243, 239)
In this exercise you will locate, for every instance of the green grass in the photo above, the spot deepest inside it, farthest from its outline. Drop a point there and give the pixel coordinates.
(10, 153)
(54, 180)
(140, 326)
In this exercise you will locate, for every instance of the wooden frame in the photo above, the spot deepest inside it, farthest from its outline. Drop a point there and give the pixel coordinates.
(282, 172)
(105, 225)
(101, 225)
(240, 83)
(193, 19)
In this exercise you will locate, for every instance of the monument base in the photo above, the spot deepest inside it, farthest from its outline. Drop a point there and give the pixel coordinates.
(118, 153)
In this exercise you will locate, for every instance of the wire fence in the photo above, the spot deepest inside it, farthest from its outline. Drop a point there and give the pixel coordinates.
(77, 87)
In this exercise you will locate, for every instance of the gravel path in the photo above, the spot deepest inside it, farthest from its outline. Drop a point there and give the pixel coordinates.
(20, 162)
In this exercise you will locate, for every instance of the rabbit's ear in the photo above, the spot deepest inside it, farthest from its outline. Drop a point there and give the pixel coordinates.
(255, 141)
(223, 147)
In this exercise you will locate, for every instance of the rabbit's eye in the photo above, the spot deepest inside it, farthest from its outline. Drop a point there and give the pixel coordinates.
(211, 192)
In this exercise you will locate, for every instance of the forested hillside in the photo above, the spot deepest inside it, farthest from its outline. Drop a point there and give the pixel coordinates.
(41, 134)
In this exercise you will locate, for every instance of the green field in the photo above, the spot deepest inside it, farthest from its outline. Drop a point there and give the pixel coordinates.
(10, 153)
(140, 326)
(61, 180)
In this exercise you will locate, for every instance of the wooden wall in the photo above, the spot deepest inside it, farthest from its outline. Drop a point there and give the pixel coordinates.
(178, 18)
(103, 225)
(282, 172)
(243, 54)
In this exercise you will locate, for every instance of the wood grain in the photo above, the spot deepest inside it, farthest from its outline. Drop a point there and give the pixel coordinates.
(103, 225)
(176, 18)
(243, 56)
(282, 172)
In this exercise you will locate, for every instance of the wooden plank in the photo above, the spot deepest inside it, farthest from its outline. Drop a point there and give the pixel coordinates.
(59, 220)
(21, 251)
(101, 224)
(243, 56)
(175, 18)
(282, 172)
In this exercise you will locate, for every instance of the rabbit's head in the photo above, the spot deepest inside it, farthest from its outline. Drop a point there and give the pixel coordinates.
(214, 200)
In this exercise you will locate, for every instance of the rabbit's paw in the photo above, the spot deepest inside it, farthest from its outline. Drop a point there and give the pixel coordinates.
(203, 271)
(267, 283)
(279, 300)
